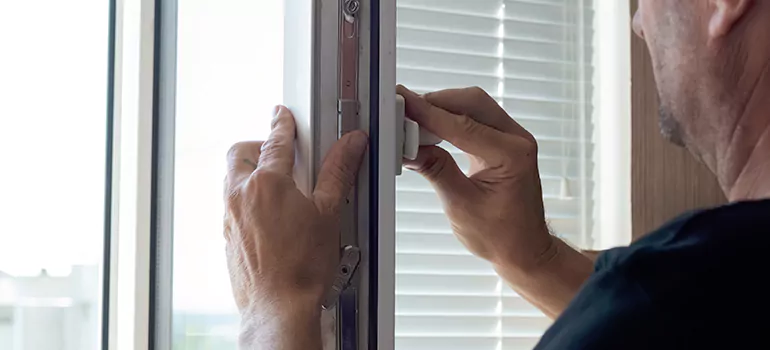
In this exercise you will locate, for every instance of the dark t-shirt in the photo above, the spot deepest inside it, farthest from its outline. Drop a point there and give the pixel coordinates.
(700, 282)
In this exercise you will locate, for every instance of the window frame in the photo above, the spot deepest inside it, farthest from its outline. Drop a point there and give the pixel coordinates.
(612, 120)
(131, 171)
(139, 314)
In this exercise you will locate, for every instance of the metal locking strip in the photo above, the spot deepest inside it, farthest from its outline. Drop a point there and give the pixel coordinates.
(348, 104)
(351, 257)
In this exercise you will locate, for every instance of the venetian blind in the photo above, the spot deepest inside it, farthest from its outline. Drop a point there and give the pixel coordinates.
(535, 58)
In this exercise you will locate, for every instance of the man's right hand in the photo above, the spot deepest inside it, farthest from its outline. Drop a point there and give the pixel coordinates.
(496, 210)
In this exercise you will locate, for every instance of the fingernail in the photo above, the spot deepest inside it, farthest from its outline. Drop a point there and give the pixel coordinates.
(276, 113)
(406, 90)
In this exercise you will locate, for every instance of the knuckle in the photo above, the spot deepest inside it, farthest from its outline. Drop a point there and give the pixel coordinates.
(530, 148)
(264, 189)
(531, 138)
(232, 199)
(476, 92)
(236, 149)
(264, 179)
(434, 166)
(525, 147)
(271, 147)
(340, 171)
(470, 126)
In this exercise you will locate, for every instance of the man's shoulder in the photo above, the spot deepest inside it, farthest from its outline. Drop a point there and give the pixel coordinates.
(695, 283)
(701, 259)
(723, 236)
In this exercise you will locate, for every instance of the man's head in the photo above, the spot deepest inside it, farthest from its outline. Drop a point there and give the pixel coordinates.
(708, 56)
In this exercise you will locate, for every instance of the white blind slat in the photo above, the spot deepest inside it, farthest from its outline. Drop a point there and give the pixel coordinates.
(479, 7)
(424, 221)
(463, 342)
(534, 57)
(564, 146)
(422, 198)
(546, 11)
(427, 284)
(477, 325)
(429, 243)
(551, 185)
(462, 305)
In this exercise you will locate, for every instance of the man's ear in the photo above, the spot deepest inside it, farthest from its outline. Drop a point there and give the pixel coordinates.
(726, 14)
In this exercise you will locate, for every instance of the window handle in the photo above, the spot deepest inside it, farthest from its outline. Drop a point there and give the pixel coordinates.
(410, 136)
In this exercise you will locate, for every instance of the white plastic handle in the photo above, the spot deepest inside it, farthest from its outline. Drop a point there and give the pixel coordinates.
(413, 136)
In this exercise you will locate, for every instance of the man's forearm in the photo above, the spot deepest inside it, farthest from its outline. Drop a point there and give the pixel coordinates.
(551, 285)
(296, 326)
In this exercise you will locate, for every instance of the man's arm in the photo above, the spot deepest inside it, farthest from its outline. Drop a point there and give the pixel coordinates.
(551, 285)
(289, 326)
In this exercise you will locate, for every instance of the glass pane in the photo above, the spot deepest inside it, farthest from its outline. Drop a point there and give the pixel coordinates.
(53, 103)
(230, 59)
(534, 58)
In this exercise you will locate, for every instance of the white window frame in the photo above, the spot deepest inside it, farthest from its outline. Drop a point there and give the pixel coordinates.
(139, 308)
(612, 122)
(129, 299)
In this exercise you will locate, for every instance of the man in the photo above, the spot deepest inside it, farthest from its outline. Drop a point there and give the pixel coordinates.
(693, 284)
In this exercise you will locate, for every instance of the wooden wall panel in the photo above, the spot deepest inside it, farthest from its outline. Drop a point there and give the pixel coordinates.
(665, 180)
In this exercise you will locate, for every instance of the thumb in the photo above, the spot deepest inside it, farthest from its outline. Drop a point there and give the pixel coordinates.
(339, 171)
(437, 166)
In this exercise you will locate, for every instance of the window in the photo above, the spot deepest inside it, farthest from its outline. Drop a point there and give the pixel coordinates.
(535, 59)
(53, 104)
(228, 80)
(212, 80)
(190, 78)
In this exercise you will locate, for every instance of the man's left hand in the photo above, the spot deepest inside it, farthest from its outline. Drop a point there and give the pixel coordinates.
(283, 247)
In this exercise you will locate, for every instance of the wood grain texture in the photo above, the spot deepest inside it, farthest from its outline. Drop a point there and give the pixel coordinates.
(665, 180)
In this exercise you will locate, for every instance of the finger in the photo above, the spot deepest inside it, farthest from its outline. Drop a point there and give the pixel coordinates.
(278, 151)
(477, 104)
(242, 160)
(462, 131)
(339, 170)
(440, 169)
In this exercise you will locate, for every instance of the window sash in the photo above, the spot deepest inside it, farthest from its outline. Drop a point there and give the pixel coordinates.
(142, 197)
(535, 58)
(129, 299)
